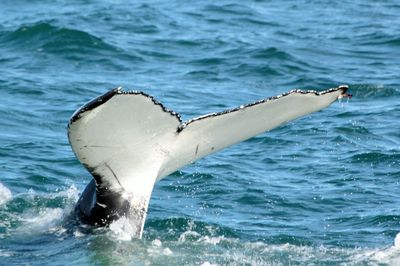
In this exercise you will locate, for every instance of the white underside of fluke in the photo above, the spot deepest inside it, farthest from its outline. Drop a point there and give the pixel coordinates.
(131, 141)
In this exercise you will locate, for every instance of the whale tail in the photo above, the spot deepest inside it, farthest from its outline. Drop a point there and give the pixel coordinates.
(128, 141)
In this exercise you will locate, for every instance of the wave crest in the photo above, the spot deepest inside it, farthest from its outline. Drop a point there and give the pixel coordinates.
(52, 38)
(45, 37)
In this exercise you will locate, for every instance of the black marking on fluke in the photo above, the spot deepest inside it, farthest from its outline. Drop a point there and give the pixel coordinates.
(96, 102)
(115, 176)
(90, 208)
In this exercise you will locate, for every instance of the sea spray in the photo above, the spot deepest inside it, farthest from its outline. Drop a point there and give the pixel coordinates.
(5, 194)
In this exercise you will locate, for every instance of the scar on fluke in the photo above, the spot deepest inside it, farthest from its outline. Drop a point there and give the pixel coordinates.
(141, 142)
(113, 173)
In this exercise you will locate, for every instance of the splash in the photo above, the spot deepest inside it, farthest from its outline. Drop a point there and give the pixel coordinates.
(221, 250)
(5, 194)
(123, 229)
(39, 212)
(206, 263)
(157, 249)
(389, 256)
(49, 219)
(45, 219)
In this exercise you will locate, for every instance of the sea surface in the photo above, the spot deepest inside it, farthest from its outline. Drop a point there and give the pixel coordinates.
(321, 190)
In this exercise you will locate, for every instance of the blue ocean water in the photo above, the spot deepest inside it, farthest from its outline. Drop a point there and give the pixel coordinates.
(322, 190)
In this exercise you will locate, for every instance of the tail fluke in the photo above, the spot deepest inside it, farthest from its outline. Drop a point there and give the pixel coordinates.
(128, 141)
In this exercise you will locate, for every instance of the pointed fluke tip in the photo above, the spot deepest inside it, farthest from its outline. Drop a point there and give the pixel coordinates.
(94, 103)
(344, 94)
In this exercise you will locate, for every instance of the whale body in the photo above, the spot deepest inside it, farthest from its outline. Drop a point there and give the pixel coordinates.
(128, 141)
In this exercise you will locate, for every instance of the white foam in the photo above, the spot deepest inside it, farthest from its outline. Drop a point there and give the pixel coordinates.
(5, 253)
(188, 235)
(45, 220)
(123, 229)
(397, 241)
(72, 194)
(261, 253)
(167, 252)
(211, 240)
(48, 219)
(389, 256)
(156, 249)
(78, 234)
(156, 243)
(206, 263)
(5, 194)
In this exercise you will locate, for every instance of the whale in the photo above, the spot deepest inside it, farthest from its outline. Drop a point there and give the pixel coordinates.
(128, 141)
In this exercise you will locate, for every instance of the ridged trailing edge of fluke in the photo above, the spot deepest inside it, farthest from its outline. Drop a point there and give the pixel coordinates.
(108, 95)
(128, 141)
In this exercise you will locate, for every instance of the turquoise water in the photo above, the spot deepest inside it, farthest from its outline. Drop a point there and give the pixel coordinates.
(322, 190)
